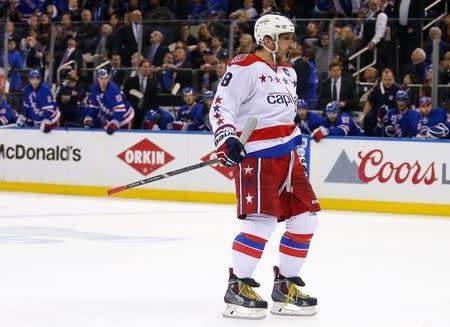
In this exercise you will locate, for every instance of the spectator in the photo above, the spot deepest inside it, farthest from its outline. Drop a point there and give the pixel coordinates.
(146, 85)
(435, 34)
(305, 72)
(207, 74)
(321, 57)
(38, 49)
(32, 33)
(157, 12)
(268, 6)
(221, 69)
(70, 101)
(156, 51)
(370, 76)
(346, 44)
(74, 10)
(307, 121)
(336, 124)
(216, 47)
(245, 44)
(44, 25)
(216, 27)
(7, 114)
(401, 121)
(39, 109)
(15, 61)
(196, 55)
(248, 8)
(130, 36)
(337, 89)
(70, 53)
(288, 9)
(207, 101)
(347, 8)
(204, 34)
(382, 95)
(444, 72)
(157, 119)
(433, 123)
(183, 76)
(134, 69)
(117, 74)
(105, 44)
(88, 33)
(418, 68)
(311, 36)
(197, 10)
(115, 22)
(186, 36)
(412, 92)
(28, 44)
(189, 117)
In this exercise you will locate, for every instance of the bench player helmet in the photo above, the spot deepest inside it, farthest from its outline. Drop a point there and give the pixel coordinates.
(302, 104)
(401, 95)
(332, 107)
(34, 74)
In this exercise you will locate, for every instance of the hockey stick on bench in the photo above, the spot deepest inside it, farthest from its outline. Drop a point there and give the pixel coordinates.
(249, 127)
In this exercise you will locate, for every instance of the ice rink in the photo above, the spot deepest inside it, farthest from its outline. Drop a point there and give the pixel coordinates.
(79, 261)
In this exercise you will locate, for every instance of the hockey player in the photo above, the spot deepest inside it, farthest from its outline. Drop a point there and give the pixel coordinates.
(398, 122)
(433, 123)
(207, 98)
(189, 117)
(271, 184)
(7, 115)
(157, 119)
(335, 123)
(108, 108)
(39, 108)
(306, 120)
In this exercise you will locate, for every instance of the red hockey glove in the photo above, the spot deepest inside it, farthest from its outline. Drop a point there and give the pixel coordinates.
(319, 133)
(112, 126)
(229, 150)
(180, 126)
(46, 126)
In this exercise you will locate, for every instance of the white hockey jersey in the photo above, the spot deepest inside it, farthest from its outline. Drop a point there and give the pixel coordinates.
(252, 88)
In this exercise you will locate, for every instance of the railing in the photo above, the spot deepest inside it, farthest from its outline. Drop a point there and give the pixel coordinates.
(64, 66)
(360, 70)
(444, 13)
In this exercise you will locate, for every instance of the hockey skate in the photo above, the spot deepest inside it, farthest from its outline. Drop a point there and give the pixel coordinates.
(242, 301)
(288, 299)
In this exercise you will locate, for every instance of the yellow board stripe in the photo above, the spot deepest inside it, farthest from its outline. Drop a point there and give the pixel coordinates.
(227, 198)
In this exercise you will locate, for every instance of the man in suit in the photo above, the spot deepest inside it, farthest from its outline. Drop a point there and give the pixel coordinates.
(156, 51)
(70, 53)
(184, 77)
(337, 89)
(145, 83)
(130, 36)
(409, 28)
(88, 32)
(117, 74)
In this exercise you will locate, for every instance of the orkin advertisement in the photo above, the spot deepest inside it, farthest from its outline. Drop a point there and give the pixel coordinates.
(379, 170)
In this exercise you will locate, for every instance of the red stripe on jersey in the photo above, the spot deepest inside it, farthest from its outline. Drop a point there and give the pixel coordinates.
(293, 252)
(247, 250)
(299, 238)
(272, 132)
(255, 238)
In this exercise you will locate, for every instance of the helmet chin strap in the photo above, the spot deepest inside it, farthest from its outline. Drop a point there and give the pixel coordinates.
(273, 52)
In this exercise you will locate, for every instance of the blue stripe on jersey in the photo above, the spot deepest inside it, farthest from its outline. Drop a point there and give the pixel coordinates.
(292, 244)
(244, 240)
(277, 150)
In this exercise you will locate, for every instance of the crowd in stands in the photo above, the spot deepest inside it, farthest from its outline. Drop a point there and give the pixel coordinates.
(149, 54)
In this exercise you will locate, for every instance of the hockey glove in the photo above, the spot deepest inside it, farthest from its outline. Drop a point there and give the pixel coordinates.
(435, 132)
(229, 149)
(21, 121)
(88, 122)
(46, 126)
(390, 131)
(319, 133)
(180, 126)
(112, 126)
(382, 116)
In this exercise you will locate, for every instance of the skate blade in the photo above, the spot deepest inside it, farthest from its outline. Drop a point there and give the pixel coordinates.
(280, 308)
(240, 312)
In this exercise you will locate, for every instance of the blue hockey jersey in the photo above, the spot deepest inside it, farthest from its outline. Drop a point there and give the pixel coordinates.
(157, 120)
(313, 120)
(109, 105)
(398, 124)
(39, 105)
(344, 125)
(436, 116)
(193, 116)
(7, 115)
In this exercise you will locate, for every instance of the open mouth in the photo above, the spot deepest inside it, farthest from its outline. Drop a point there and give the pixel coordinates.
(288, 54)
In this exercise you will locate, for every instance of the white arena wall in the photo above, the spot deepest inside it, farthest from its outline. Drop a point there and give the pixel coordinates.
(398, 176)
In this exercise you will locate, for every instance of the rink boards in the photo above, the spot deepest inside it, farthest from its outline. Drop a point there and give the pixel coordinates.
(401, 176)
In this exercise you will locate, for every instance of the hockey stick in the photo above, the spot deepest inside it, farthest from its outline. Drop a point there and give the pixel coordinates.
(249, 127)
(136, 93)
(8, 126)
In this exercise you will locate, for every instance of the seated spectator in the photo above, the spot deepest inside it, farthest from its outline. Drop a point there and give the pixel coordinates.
(183, 74)
(216, 27)
(307, 121)
(347, 43)
(134, 69)
(196, 55)
(221, 69)
(166, 72)
(186, 36)
(87, 33)
(217, 48)
(321, 57)
(44, 25)
(398, 122)
(15, 61)
(311, 36)
(157, 119)
(141, 91)
(336, 124)
(32, 57)
(370, 76)
(433, 123)
(106, 42)
(157, 12)
(245, 45)
(337, 89)
(71, 52)
(117, 73)
(207, 73)
(419, 67)
(156, 51)
(268, 7)
(204, 34)
(32, 33)
(70, 100)
(7, 114)
(207, 101)
(189, 117)
(412, 92)
(248, 8)
(382, 95)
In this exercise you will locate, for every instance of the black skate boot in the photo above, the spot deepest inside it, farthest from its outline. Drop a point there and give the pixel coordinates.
(288, 299)
(241, 300)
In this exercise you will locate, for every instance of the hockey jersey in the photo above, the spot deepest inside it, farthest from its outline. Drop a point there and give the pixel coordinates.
(342, 126)
(251, 87)
(436, 116)
(157, 120)
(7, 115)
(400, 124)
(109, 105)
(39, 105)
(193, 116)
(313, 120)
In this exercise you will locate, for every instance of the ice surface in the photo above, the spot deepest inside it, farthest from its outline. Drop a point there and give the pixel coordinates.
(79, 261)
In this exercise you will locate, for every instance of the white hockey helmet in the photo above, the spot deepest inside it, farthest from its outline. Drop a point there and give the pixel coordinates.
(273, 26)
